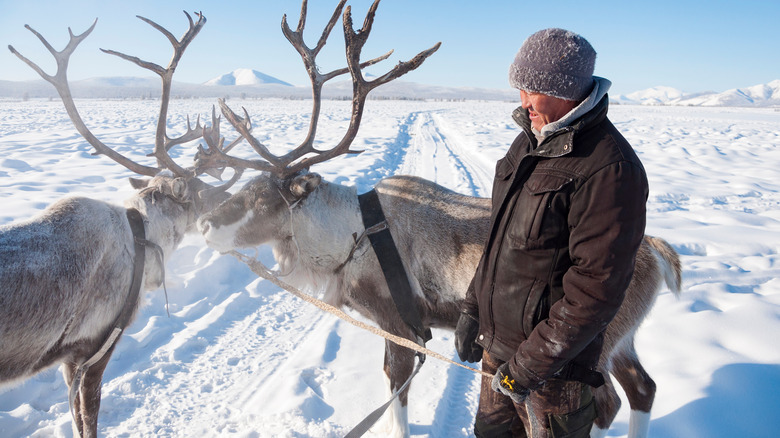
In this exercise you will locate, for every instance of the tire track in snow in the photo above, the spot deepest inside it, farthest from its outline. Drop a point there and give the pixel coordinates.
(391, 156)
(479, 168)
(439, 153)
(436, 152)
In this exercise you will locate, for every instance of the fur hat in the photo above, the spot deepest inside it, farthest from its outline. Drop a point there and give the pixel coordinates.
(555, 62)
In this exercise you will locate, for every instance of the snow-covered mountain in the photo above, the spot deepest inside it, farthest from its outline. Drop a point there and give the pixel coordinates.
(762, 95)
(127, 88)
(248, 83)
(654, 96)
(245, 76)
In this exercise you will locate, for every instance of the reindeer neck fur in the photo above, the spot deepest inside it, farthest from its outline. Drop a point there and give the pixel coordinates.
(319, 239)
(165, 222)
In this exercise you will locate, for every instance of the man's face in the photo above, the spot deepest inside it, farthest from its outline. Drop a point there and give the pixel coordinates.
(544, 109)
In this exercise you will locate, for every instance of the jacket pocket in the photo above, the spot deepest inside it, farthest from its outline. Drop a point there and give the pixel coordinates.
(540, 213)
(576, 424)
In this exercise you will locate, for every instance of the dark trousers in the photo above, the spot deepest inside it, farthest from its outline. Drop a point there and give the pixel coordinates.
(559, 409)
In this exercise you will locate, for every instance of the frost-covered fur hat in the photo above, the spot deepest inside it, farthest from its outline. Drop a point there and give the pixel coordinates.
(555, 62)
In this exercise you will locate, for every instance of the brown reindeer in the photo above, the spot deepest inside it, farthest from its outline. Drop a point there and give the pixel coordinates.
(312, 226)
(65, 274)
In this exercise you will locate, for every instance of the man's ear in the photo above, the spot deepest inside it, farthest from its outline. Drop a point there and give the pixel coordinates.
(304, 184)
(139, 184)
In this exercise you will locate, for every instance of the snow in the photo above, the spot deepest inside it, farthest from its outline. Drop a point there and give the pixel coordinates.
(239, 357)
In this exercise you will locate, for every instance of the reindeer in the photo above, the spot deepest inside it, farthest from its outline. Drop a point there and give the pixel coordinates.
(65, 274)
(312, 226)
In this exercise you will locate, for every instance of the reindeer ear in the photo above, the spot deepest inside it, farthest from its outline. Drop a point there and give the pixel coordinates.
(139, 184)
(304, 184)
(179, 189)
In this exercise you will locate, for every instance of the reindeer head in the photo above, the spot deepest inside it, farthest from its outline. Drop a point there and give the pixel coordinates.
(259, 212)
(185, 195)
(175, 197)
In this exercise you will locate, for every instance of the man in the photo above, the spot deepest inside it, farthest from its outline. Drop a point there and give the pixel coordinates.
(568, 216)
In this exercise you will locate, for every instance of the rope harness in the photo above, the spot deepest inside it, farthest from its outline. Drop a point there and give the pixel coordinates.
(262, 271)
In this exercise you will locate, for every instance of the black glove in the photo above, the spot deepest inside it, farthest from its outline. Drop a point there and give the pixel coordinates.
(465, 337)
(504, 383)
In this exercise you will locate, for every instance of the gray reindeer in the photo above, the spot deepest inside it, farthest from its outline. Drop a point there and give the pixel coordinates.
(70, 278)
(312, 227)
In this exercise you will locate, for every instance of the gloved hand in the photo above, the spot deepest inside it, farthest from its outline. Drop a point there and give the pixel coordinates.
(465, 336)
(504, 383)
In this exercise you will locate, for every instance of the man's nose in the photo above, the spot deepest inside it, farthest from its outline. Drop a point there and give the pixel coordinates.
(524, 101)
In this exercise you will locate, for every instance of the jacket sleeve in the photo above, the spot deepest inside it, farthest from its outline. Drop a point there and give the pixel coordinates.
(606, 225)
(470, 304)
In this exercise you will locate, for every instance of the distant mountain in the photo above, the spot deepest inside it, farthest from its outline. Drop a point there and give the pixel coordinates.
(400, 89)
(762, 95)
(245, 76)
(145, 88)
(655, 95)
(246, 83)
(118, 81)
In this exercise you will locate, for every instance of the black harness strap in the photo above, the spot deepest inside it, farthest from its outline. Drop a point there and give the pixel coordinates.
(400, 290)
(392, 266)
(139, 237)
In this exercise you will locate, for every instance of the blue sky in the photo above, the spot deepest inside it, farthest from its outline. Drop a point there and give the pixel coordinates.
(689, 45)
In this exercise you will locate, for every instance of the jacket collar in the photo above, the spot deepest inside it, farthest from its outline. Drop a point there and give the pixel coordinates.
(599, 90)
(560, 142)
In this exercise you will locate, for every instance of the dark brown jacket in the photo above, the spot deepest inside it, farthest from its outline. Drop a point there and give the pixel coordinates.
(568, 216)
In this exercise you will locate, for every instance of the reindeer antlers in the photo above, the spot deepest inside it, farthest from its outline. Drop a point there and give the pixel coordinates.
(297, 159)
(162, 142)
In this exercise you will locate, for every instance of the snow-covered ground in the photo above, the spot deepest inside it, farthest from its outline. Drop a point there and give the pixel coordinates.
(239, 357)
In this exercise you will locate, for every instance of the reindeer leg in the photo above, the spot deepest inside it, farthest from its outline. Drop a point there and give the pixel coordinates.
(68, 372)
(639, 387)
(86, 403)
(90, 394)
(399, 365)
